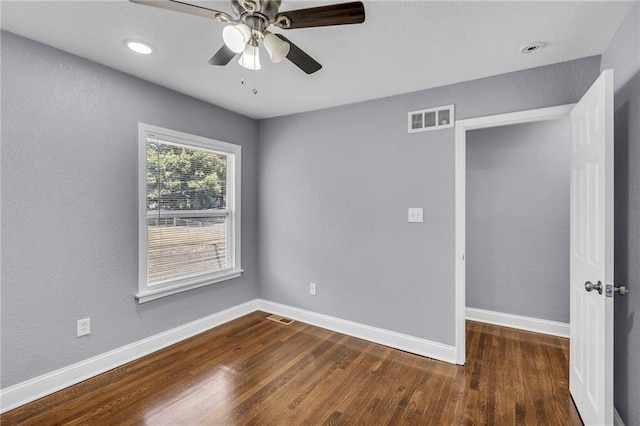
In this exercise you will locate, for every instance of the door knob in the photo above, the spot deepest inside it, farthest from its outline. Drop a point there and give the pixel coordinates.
(589, 286)
(621, 290)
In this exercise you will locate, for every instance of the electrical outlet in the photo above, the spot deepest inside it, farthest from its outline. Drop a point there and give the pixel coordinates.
(312, 289)
(416, 214)
(84, 326)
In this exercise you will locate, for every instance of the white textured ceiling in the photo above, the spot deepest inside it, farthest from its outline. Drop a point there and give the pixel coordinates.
(403, 46)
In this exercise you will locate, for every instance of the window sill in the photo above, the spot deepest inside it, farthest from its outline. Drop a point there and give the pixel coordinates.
(152, 294)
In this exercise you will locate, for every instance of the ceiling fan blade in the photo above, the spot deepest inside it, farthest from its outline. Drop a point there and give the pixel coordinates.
(299, 58)
(335, 14)
(222, 56)
(192, 9)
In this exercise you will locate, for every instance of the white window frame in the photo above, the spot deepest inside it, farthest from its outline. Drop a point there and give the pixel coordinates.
(146, 292)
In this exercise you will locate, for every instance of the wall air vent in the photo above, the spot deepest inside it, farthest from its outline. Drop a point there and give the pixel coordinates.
(431, 119)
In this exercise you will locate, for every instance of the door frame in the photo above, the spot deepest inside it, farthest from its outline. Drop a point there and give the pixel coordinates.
(462, 126)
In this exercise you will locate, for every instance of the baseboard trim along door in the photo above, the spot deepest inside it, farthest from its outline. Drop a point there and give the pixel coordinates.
(536, 325)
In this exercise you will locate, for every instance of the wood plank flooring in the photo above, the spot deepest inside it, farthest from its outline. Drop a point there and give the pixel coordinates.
(253, 371)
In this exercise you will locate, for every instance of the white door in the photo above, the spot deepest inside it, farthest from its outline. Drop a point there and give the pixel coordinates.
(591, 353)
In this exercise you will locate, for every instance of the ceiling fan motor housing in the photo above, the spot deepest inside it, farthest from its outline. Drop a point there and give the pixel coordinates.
(266, 10)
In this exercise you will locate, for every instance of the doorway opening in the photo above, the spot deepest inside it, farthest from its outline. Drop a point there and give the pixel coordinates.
(462, 127)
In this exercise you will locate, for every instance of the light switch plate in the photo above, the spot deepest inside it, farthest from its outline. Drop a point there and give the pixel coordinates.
(416, 214)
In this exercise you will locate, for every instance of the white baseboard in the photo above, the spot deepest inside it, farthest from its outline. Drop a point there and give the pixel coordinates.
(392, 339)
(617, 420)
(54, 381)
(38, 387)
(553, 328)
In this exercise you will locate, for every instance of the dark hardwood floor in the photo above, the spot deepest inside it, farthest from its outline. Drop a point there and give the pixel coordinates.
(255, 371)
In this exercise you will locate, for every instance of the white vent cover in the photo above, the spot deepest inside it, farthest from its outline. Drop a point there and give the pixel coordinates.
(431, 119)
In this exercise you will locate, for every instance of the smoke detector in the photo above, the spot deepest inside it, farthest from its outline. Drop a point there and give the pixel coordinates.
(532, 47)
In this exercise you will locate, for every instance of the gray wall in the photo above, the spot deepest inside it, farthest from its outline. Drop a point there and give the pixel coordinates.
(69, 208)
(517, 253)
(623, 55)
(335, 186)
(334, 189)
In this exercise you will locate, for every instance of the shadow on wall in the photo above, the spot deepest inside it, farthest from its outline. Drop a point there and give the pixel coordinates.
(624, 316)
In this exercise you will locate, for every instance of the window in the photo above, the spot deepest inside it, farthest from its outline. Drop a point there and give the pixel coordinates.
(189, 212)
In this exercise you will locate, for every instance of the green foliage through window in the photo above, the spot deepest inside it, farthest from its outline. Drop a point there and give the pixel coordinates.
(180, 178)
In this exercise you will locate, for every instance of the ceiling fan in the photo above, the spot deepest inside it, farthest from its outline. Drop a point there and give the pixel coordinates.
(249, 27)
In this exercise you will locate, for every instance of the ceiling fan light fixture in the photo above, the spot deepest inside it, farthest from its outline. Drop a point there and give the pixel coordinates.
(236, 37)
(248, 28)
(250, 58)
(276, 48)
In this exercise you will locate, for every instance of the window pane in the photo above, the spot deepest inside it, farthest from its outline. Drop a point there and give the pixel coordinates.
(187, 225)
(180, 178)
(179, 247)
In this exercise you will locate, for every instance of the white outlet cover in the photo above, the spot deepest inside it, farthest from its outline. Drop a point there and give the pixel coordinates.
(84, 327)
(416, 215)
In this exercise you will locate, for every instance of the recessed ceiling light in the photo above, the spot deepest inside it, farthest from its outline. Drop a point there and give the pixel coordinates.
(139, 47)
(532, 47)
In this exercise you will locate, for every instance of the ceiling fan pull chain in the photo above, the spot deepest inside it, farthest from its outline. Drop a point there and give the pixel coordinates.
(255, 82)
